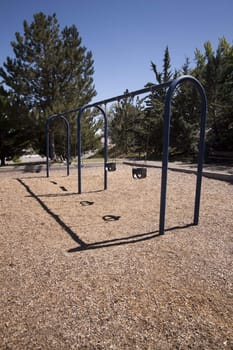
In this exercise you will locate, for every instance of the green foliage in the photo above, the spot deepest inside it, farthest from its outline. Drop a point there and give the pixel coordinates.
(14, 130)
(154, 111)
(51, 72)
(215, 71)
(127, 127)
(91, 124)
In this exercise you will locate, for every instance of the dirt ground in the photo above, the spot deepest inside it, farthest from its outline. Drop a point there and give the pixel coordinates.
(71, 278)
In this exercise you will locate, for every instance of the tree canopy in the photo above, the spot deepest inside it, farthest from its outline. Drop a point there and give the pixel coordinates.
(51, 71)
(214, 69)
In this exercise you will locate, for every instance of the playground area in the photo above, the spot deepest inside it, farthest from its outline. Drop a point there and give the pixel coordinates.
(90, 271)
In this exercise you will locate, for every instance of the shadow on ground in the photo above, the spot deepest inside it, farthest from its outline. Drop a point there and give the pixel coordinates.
(131, 239)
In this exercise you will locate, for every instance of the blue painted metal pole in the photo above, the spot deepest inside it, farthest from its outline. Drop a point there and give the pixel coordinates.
(167, 112)
(67, 147)
(79, 149)
(79, 146)
(47, 147)
(105, 149)
(200, 152)
(49, 119)
(166, 136)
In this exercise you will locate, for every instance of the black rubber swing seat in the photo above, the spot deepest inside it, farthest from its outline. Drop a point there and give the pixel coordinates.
(139, 173)
(111, 166)
(111, 217)
(86, 203)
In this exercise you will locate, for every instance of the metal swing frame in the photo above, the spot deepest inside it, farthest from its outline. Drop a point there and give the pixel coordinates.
(138, 172)
(79, 145)
(48, 121)
(170, 86)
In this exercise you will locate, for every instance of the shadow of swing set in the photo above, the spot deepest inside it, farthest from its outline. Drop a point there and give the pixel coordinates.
(140, 172)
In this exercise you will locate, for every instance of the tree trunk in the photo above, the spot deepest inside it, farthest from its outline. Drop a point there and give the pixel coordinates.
(2, 160)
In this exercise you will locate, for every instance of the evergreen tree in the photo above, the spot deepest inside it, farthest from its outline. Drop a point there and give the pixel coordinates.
(154, 111)
(215, 71)
(184, 126)
(185, 121)
(51, 72)
(120, 125)
(226, 98)
(14, 130)
(126, 127)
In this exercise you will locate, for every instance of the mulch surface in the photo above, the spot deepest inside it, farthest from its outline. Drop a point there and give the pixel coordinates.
(90, 271)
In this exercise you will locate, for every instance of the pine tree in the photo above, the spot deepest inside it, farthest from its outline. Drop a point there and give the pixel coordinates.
(154, 111)
(14, 130)
(184, 118)
(214, 69)
(226, 98)
(120, 126)
(185, 121)
(51, 72)
(126, 127)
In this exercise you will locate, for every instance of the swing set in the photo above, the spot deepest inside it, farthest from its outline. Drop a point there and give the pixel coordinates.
(140, 172)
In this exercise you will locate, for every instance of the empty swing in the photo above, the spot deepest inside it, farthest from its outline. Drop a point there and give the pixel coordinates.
(140, 172)
(110, 166)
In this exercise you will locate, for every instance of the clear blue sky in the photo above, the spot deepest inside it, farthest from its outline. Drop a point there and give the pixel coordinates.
(126, 35)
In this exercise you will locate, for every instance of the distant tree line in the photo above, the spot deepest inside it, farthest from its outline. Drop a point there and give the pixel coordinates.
(138, 126)
(52, 72)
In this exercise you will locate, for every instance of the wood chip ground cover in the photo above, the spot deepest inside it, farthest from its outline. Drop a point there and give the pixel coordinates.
(71, 280)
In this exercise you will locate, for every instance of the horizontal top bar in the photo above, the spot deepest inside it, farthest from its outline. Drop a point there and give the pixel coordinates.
(131, 94)
(119, 97)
